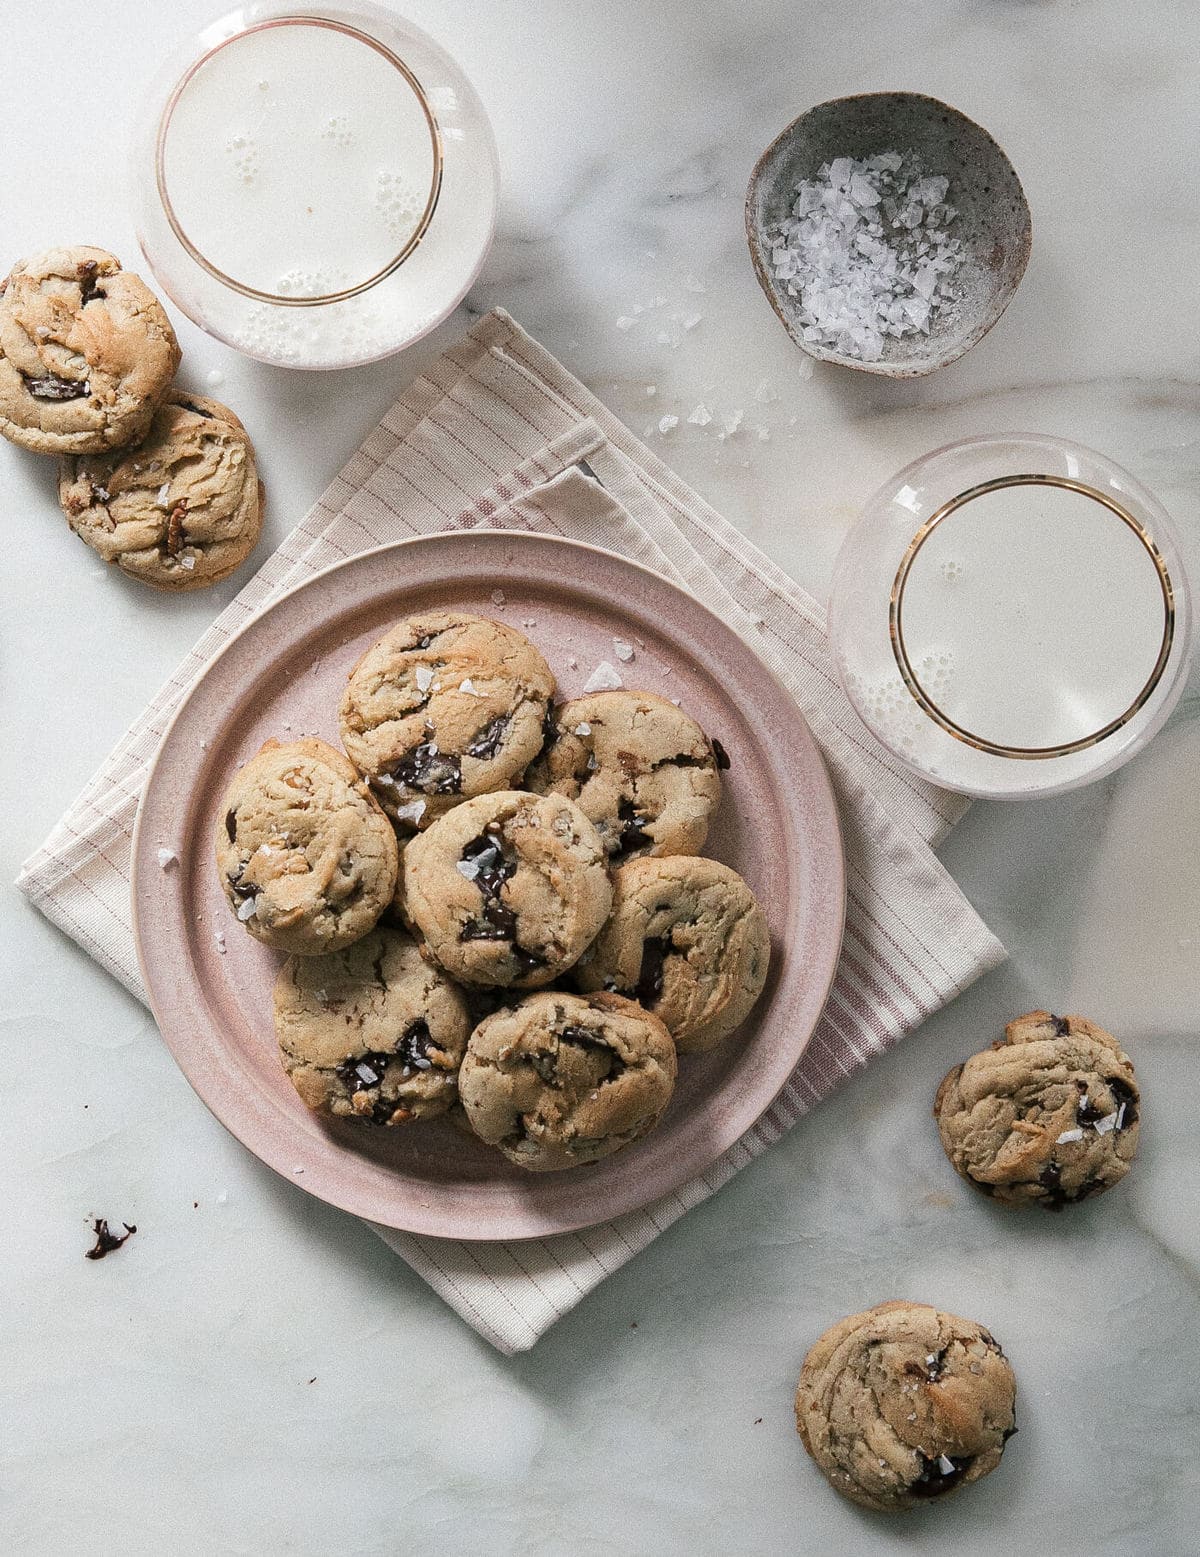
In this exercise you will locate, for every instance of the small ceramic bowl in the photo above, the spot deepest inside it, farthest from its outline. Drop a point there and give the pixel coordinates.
(993, 222)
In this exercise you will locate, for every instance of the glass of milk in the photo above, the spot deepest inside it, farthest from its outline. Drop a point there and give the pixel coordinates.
(316, 185)
(1011, 617)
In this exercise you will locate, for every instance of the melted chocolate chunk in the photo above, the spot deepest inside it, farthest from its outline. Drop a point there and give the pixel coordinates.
(231, 825)
(1127, 1112)
(494, 865)
(526, 960)
(1061, 1026)
(933, 1370)
(1086, 1112)
(429, 770)
(683, 759)
(486, 743)
(51, 387)
(633, 835)
(650, 976)
(938, 1476)
(196, 410)
(364, 1070)
(719, 753)
(413, 1048)
(106, 1240)
(549, 726)
(1009, 1432)
(1050, 1178)
(89, 287)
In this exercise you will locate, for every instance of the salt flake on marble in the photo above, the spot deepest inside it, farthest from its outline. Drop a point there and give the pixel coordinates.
(219, 941)
(625, 322)
(623, 650)
(603, 679)
(701, 416)
(497, 597)
(668, 424)
(167, 858)
(692, 321)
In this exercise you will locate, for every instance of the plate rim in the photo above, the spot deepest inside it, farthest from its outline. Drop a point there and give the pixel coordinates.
(414, 1221)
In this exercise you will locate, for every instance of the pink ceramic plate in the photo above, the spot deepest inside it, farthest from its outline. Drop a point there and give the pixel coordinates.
(283, 675)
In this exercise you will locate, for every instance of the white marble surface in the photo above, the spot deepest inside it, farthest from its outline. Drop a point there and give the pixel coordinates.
(256, 1373)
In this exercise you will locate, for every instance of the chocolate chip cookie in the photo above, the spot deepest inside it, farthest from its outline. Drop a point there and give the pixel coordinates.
(182, 509)
(1047, 1117)
(87, 354)
(639, 768)
(507, 889)
(445, 707)
(372, 1032)
(903, 1404)
(306, 857)
(688, 940)
(557, 1081)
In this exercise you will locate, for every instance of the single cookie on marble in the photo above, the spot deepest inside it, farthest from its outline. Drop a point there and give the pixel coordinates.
(306, 857)
(87, 354)
(688, 940)
(180, 510)
(507, 889)
(445, 707)
(903, 1404)
(372, 1032)
(1047, 1117)
(640, 769)
(559, 1080)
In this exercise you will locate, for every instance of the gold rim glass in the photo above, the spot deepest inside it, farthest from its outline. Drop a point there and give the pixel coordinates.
(258, 293)
(922, 695)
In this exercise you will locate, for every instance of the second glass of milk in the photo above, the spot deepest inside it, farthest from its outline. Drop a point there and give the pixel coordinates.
(1011, 617)
(317, 185)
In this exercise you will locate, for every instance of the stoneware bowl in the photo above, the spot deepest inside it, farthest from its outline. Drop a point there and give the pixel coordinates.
(993, 222)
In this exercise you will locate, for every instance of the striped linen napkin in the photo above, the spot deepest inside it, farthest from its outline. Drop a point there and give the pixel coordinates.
(497, 433)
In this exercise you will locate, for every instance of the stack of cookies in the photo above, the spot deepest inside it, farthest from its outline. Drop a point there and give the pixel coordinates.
(161, 483)
(492, 900)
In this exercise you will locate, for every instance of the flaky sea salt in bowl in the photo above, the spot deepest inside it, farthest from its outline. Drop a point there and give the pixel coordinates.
(888, 231)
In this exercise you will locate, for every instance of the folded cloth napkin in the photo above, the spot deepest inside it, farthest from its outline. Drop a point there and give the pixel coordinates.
(497, 433)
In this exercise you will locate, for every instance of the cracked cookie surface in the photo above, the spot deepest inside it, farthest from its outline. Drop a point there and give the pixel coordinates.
(87, 353)
(903, 1403)
(639, 768)
(1047, 1117)
(372, 1032)
(306, 857)
(182, 509)
(507, 889)
(687, 940)
(445, 707)
(559, 1080)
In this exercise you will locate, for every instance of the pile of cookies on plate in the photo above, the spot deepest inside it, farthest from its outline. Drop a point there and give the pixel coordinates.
(492, 898)
(159, 482)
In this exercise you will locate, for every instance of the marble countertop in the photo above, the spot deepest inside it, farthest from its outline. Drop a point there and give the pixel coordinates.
(256, 1373)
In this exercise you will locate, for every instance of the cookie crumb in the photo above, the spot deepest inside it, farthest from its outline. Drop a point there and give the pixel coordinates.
(106, 1240)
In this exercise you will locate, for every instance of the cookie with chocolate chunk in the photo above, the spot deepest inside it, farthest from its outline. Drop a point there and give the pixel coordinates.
(904, 1404)
(640, 769)
(445, 707)
(1045, 1118)
(687, 939)
(180, 510)
(507, 889)
(87, 354)
(558, 1081)
(306, 857)
(373, 1032)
